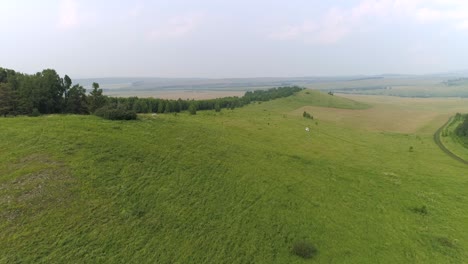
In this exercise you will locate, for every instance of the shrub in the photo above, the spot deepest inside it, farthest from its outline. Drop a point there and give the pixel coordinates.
(35, 113)
(420, 210)
(304, 249)
(217, 107)
(307, 115)
(192, 109)
(446, 242)
(116, 113)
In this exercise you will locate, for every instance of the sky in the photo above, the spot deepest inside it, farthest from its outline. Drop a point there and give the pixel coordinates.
(233, 38)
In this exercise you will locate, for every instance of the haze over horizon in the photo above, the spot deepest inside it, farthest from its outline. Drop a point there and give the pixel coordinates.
(235, 39)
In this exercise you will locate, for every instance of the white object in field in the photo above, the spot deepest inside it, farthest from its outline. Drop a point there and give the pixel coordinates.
(307, 129)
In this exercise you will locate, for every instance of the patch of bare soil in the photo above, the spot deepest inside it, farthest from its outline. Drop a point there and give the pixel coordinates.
(37, 191)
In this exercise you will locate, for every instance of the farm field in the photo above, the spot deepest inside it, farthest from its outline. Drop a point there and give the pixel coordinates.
(367, 184)
(421, 86)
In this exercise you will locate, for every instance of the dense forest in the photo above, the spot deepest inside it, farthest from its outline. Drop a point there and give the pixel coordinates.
(47, 93)
(462, 129)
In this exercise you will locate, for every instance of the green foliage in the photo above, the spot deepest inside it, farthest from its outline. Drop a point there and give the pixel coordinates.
(462, 129)
(77, 101)
(307, 115)
(35, 113)
(420, 210)
(192, 108)
(270, 94)
(44, 91)
(115, 113)
(8, 100)
(217, 107)
(96, 99)
(304, 249)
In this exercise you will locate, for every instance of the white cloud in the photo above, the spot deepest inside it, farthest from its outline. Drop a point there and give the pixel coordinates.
(177, 27)
(68, 16)
(291, 32)
(338, 23)
(463, 25)
(428, 15)
(136, 10)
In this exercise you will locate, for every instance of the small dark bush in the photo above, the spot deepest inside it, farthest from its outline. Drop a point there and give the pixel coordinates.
(192, 109)
(411, 149)
(307, 115)
(420, 210)
(446, 242)
(304, 249)
(35, 113)
(116, 113)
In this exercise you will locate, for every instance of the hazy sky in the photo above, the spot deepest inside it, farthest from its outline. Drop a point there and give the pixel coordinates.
(233, 38)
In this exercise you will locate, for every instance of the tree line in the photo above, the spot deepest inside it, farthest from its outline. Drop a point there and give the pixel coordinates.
(47, 93)
(462, 129)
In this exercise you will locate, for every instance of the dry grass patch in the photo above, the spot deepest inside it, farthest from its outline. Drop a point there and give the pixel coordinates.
(391, 114)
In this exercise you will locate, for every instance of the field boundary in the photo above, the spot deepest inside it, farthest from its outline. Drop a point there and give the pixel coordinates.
(442, 146)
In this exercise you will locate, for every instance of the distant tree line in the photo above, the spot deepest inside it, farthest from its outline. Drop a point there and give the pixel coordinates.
(155, 105)
(47, 93)
(462, 129)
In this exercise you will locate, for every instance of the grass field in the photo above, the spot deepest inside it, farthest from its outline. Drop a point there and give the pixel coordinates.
(403, 86)
(240, 186)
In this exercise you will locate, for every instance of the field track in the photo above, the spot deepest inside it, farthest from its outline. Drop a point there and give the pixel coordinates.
(441, 145)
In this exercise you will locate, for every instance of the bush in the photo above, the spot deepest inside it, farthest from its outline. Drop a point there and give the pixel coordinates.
(307, 115)
(217, 107)
(35, 113)
(116, 113)
(192, 109)
(304, 249)
(420, 210)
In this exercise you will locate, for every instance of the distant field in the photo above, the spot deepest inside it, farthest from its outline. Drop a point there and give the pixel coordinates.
(396, 114)
(202, 94)
(424, 86)
(367, 184)
(402, 86)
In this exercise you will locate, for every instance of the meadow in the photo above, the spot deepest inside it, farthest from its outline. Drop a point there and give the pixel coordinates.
(367, 184)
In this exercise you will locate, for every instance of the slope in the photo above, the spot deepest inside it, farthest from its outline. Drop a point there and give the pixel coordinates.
(238, 186)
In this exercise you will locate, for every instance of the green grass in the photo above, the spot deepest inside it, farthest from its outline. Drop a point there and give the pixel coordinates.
(238, 186)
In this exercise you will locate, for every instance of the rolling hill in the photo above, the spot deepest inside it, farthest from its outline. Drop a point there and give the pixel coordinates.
(239, 186)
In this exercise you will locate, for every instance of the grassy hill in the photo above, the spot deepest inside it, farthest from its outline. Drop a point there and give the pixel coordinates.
(238, 186)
